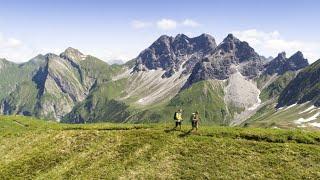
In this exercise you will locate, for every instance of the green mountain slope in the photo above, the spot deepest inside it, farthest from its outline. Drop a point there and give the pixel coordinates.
(21, 101)
(33, 149)
(49, 86)
(100, 104)
(305, 87)
(207, 97)
(98, 69)
(13, 74)
(304, 116)
(103, 103)
(273, 90)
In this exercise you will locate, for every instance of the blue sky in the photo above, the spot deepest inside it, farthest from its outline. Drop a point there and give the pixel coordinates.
(121, 29)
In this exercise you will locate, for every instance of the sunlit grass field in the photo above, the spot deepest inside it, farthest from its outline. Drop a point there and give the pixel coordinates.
(37, 149)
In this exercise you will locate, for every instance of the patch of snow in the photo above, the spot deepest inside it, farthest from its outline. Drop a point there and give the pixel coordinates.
(315, 124)
(308, 109)
(280, 108)
(292, 105)
(314, 110)
(302, 120)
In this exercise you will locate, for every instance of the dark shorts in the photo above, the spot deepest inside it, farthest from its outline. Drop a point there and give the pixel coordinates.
(178, 123)
(194, 123)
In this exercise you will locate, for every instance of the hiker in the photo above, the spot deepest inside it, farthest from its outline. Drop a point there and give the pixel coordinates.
(195, 118)
(178, 118)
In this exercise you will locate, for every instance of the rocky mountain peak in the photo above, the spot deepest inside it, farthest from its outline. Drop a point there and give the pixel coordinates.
(205, 42)
(298, 54)
(205, 35)
(51, 56)
(237, 51)
(72, 54)
(168, 53)
(163, 40)
(230, 52)
(297, 61)
(281, 64)
(71, 50)
(282, 56)
(181, 37)
(298, 58)
(230, 37)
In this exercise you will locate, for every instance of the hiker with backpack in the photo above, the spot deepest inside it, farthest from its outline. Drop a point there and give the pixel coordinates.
(178, 118)
(195, 119)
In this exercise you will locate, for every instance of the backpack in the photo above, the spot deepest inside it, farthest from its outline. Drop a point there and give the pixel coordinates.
(175, 116)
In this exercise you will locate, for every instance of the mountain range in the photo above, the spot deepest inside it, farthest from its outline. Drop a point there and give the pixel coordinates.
(228, 83)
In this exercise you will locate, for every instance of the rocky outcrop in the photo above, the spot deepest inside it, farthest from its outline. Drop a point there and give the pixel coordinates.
(217, 65)
(73, 55)
(169, 53)
(281, 64)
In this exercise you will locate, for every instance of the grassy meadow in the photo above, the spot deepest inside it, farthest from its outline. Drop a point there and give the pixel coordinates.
(37, 149)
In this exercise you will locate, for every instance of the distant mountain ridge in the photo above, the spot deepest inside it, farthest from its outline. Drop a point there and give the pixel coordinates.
(218, 64)
(168, 53)
(58, 82)
(281, 64)
(173, 72)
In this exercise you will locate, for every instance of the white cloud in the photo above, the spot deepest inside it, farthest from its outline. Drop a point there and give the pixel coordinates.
(271, 43)
(137, 24)
(166, 24)
(13, 49)
(9, 42)
(190, 23)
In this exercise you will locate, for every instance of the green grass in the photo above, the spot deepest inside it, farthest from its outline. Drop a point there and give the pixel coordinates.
(35, 149)
(275, 88)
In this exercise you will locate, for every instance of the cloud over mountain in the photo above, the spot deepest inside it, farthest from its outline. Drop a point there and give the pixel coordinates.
(165, 24)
